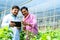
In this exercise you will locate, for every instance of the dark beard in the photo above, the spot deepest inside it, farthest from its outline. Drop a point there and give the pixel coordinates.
(14, 15)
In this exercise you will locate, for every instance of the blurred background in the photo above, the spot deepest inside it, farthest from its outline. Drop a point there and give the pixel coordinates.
(46, 11)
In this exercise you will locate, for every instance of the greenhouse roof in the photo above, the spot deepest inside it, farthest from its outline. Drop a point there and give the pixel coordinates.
(6, 4)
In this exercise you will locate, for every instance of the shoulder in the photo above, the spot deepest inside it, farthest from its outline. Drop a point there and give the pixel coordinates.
(32, 15)
(6, 16)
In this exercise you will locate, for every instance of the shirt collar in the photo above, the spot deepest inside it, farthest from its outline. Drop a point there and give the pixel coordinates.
(26, 17)
(13, 15)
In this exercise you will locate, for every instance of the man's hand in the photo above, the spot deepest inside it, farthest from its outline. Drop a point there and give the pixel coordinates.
(18, 27)
(25, 23)
(12, 24)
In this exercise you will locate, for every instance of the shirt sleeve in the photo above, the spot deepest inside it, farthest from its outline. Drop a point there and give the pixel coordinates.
(33, 21)
(5, 22)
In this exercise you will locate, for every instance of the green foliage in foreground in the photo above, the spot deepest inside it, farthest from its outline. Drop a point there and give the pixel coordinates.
(5, 33)
(50, 35)
(47, 35)
(22, 35)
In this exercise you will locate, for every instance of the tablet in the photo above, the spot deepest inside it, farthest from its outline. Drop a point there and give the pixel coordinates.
(18, 24)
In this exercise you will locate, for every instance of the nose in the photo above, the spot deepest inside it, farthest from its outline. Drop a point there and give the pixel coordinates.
(15, 11)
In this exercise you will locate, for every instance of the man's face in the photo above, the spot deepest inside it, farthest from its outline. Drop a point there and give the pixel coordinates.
(24, 12)
(15, 11)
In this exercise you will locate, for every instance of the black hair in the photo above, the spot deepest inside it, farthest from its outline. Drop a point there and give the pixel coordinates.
(24, 8)
(16, 7)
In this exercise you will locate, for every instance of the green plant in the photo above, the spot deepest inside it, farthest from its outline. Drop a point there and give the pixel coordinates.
(49, 34)
(22, 35)
(5, 33)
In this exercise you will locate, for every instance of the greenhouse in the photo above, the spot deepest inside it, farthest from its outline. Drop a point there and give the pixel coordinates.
(47, 14)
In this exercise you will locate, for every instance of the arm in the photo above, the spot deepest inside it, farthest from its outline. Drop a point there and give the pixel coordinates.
(32, 23)
(5, 22)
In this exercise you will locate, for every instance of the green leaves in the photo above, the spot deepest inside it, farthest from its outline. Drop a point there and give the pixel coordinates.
(5, 33)
(49, 34)
(22, 35)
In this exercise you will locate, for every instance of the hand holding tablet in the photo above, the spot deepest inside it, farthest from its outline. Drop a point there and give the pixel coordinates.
(18, 24)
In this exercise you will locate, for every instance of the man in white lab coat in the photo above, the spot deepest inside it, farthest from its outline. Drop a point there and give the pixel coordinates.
(7, 21)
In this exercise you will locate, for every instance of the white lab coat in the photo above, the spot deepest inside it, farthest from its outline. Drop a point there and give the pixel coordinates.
(5, 22)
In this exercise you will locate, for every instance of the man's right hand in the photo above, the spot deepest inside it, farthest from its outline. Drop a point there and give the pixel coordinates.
(12, 24)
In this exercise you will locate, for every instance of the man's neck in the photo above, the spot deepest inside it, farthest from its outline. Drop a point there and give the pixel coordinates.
(14, 15)
(26, 15)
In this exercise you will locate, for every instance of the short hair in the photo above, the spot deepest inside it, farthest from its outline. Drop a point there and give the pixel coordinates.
(16, 7)
(24, 8)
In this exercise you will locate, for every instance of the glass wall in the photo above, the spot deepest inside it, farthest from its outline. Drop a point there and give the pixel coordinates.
(46, 11)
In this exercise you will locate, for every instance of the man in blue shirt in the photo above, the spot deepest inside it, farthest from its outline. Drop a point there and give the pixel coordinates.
(7, 21)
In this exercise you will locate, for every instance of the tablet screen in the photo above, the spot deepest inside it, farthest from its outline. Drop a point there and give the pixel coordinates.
(18, 24)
